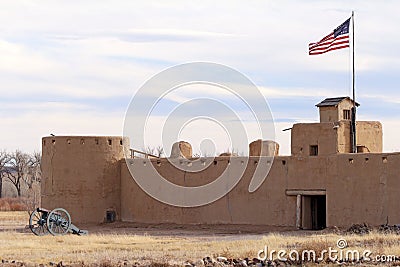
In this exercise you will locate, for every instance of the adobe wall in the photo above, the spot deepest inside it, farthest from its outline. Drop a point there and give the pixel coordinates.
(306, 134)
(264, 148)
(82, 175)
(238, 207)
(333, 138)
(345, 104)
(334, 113)
(359, 188)
(369, 135)
(89, 176)
(363, 188)
(328, 114)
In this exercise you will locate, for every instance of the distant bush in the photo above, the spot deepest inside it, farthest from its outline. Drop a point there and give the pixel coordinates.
(13, 204)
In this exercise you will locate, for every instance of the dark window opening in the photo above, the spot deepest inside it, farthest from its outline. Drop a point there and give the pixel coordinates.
(109, 142)
(346, 114)
(314, 150)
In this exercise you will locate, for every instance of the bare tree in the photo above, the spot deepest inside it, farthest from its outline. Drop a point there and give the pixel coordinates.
(150, 150)
(32, 199)
(18, 169)
(155, 151)
(160, 151)
(34, 170)
(3, 162)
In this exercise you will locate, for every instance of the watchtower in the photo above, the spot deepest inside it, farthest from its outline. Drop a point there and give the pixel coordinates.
(82, 175)
(332, 134)
(335, 109)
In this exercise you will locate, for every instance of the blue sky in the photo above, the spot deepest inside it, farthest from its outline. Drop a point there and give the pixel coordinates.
(72, 67)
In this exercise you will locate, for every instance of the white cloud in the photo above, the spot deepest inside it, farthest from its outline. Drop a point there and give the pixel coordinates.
(391, 142)
(19, 59)
(43, 106)
(282, 92)
(25, 131)
(101, 50)
(393, 98)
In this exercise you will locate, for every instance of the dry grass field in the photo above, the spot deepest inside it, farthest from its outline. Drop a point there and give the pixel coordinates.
(119, 244)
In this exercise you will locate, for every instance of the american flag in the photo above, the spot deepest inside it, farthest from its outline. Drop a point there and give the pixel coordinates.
(337, 39)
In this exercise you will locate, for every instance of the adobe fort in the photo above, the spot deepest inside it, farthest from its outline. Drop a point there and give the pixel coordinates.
(320, 184)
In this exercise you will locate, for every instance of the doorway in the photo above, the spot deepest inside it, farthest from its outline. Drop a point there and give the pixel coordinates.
(313, 212)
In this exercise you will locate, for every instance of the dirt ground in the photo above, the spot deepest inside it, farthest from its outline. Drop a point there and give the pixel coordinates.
(165, 245)
(19, 222)
(131, 242)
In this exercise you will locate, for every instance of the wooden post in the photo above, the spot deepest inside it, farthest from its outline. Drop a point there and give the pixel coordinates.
(298, 212)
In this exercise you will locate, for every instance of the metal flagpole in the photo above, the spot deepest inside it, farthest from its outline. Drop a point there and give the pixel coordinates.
(353, 117)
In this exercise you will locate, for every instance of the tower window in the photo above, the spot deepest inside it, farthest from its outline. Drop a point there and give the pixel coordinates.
(314, 150)
(346, 114)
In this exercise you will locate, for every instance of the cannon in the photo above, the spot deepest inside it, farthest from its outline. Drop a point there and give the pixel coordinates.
(55, 222)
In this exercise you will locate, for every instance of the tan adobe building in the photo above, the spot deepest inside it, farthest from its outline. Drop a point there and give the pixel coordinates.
(319, 139)
(319, 185)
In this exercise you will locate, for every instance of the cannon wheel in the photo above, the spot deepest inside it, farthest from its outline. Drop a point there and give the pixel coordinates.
(58, 221)
(37, 223)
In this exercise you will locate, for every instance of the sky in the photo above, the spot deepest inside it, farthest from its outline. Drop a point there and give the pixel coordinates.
(72, 67)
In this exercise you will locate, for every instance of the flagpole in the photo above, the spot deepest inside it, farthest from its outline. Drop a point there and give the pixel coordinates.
(353, 117)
